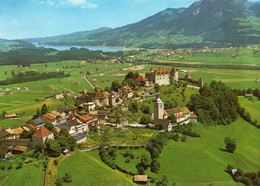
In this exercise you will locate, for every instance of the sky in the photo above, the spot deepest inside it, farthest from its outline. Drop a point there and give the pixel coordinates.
(41, 18)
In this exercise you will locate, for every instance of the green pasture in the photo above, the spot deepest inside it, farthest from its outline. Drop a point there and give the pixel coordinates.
(251, 106)
(31, 175)
(131, 166)
(88, 169)
(240, 79)
(200, 161)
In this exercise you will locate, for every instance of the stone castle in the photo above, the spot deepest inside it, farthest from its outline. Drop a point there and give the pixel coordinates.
(165, 76)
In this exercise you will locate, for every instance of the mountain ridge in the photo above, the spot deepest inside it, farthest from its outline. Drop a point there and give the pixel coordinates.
(204, 22)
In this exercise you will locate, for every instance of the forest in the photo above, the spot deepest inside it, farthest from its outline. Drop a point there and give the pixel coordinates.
(32, 76)
(27, 56)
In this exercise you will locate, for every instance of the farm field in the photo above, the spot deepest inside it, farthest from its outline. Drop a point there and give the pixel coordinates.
(232, 57)
(86, 168)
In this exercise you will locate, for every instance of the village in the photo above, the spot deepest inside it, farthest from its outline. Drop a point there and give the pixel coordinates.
(90, 111)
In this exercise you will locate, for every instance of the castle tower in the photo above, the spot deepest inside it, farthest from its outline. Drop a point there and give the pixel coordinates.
(187, 77)
(158, 108)
(174, 76)
(200, 82)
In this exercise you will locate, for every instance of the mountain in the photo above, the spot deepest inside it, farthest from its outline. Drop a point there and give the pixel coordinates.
(70, 37)
(205, 22)
(6, 44)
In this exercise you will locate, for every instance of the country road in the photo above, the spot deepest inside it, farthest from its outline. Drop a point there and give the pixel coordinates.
(89, 82)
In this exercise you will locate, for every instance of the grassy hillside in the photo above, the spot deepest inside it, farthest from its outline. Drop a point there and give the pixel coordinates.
(88, 169)
(201, 161)
(251, 106)
(198, 161)
(30, 175)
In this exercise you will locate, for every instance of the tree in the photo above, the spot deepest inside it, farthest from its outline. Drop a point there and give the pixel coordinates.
(112, 152)
(53, 149)
(44, 109)
(230, 144)
(155, 165)
(67, 178)
(46, 65)
(133, 107)
(115, 86)
(145, 119)
(130, 75)
(39, 147)
(48, 125)
(183, 138)
(13, 74)
(162, 181)
(64, 131)
(140, 169)
(5, 72)
(58, 182)
(156, 87)
(146, 109)
(145, 161)
(4, 113)
(172, 117)
(155, 153)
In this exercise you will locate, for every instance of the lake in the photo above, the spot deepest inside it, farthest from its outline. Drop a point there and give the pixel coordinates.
(103, 48)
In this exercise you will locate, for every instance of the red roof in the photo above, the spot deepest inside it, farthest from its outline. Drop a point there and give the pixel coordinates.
(180, 116)
(86, 118)
(174, 69)
(141, 78)
(194, 116)
(160, 71)
(187, 76)
(165, 113)
(42, 132)
(49, 117)
(31, 126)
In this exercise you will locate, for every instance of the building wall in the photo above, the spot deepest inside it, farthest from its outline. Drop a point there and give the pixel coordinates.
(163, 79)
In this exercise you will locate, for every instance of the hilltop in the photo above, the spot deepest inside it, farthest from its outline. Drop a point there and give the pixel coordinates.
(204, 23)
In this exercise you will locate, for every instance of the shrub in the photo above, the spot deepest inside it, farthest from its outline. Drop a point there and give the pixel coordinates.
(155, 165)
(183, 138)
(127, 160)
(10, 167)
(58, 182)
(20, 165)
(230, 144)
(56, 162)
(67, 178)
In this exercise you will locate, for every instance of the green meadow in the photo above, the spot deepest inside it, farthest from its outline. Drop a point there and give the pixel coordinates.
(201, 161)
(86, 168)
(251, 106)
(198, 161)
(30, 175)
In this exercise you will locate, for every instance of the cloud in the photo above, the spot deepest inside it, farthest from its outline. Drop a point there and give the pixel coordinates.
(73, 3)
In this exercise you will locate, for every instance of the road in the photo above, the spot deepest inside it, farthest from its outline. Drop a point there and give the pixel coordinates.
(89, 82)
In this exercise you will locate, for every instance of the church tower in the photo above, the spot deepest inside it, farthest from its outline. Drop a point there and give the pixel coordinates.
(174, 76)
(158, 108)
